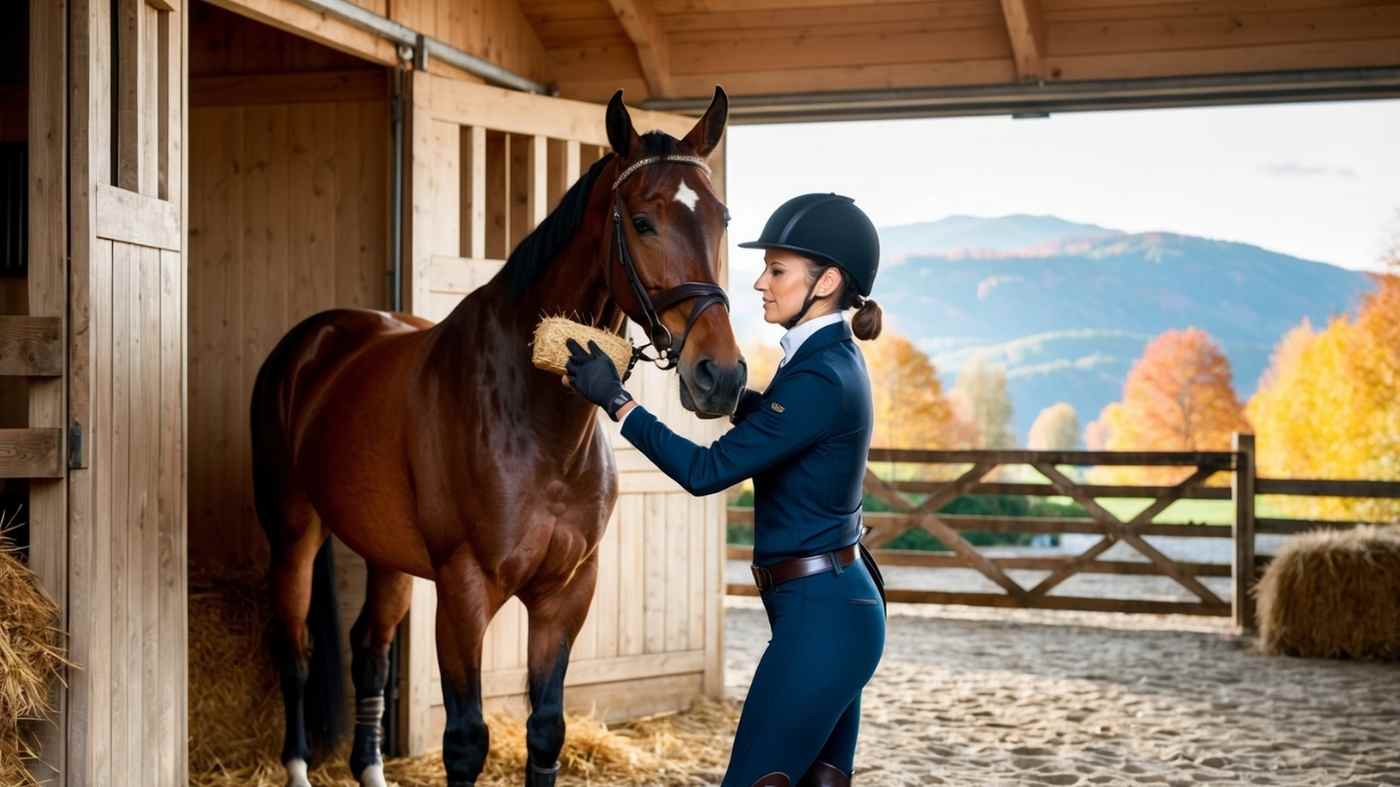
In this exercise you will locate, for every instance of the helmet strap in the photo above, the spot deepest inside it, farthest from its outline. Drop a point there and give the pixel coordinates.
(806, 304)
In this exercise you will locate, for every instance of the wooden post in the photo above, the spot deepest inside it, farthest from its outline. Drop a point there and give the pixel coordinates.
(1242, 491)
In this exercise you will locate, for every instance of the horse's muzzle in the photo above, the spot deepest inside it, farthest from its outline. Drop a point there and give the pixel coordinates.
(710, 390)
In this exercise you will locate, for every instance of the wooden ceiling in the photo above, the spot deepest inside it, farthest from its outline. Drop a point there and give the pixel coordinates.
(670, 49)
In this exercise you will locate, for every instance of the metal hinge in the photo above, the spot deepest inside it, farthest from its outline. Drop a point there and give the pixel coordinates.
(75, 446)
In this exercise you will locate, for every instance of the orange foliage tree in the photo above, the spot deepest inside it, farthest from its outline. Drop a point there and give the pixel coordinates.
(911, 410)
(1329, 406)
(1179, 396)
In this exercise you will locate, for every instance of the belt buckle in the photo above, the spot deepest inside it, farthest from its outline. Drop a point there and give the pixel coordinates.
(762, 577)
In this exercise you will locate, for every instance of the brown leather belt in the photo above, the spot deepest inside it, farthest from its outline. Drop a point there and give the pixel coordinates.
(766, 577)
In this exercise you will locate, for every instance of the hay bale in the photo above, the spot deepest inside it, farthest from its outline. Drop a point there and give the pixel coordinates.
(550, 353)
(1333, 594)
(32, 661)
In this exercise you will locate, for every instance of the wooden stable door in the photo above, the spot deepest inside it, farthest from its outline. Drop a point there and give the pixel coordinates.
(487, 165)
(126, 704)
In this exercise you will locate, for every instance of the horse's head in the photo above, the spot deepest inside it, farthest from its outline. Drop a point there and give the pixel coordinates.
(666, 227)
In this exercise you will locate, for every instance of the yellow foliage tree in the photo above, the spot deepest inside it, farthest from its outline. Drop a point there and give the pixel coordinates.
(1328, 406)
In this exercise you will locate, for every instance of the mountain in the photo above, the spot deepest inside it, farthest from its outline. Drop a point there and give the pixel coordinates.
(1068, 308)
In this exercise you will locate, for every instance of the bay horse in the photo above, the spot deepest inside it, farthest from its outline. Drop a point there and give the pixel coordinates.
(439, 451)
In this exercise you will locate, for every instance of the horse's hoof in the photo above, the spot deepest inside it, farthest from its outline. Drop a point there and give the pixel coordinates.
(373, 776)
(296, 774)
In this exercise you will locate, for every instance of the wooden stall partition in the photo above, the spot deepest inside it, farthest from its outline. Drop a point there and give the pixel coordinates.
(125, 447)
(486, 167)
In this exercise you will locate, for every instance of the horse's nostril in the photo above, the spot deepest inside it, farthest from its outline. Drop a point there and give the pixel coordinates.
(706, 376)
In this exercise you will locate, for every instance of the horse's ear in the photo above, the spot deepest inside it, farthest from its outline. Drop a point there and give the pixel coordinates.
(705, 137)
(621, 134)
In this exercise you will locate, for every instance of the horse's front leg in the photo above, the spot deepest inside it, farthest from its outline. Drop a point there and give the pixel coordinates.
(555, 620)
(466, 604)
(387, 595)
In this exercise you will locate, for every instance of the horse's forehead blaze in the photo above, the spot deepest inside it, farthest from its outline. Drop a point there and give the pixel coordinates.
(686, 195)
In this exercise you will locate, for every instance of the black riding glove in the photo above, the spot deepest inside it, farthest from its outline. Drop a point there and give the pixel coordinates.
(593, 375)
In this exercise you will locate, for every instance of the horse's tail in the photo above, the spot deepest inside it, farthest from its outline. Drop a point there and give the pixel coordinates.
(321, 689)
(325, 722)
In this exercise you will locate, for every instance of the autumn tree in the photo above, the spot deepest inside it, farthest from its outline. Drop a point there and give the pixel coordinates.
(1179, 396)
(1056, 428)
(980, 399)
(911, 410)
(1328, 408)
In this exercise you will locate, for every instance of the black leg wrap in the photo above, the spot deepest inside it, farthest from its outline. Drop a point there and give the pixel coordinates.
(466, 739)
(369, 736)
(293, 673)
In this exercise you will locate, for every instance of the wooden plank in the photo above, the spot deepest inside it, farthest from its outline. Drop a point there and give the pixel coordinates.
(655, 566)
(1071, 603)
(584, 672)
(898, 523)
(100, 513)
(537, 199)
(698, 511)
(130, 217)
(632, 574)
(31, 346)
(473, 191)
(123, 638)
(148, 543)
(1327, 488)
(638, 18)
(171, 560)
(522, 113)
(715, 537)
(677, 598)
(946, 560)
(519, 180)
(1049, 490)
(1243, 489)
(1222, 460)
(307, 87)
(321, 28)
(1290, 527)
(564, 168)
(31, 453)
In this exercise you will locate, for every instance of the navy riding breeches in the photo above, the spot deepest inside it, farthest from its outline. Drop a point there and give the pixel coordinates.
(804, 703)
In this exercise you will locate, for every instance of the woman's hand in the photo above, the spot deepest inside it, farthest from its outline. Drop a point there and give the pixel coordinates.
(591, 373)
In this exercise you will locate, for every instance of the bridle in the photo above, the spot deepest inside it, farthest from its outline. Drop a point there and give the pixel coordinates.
(705, 294)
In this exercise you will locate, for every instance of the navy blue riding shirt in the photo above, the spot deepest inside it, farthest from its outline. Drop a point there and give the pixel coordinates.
(804, 442)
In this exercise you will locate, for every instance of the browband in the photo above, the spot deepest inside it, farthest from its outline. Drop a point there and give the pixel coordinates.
(694, 161)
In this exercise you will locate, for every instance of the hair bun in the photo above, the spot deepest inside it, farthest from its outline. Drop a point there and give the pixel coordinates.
(867, 320)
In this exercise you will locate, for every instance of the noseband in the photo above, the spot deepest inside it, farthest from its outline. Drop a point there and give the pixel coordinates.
(705, 294)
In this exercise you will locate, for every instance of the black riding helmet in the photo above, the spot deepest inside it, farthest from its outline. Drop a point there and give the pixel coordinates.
(828, 228)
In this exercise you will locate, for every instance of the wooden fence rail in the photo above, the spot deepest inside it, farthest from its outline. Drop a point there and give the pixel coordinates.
(906, 515)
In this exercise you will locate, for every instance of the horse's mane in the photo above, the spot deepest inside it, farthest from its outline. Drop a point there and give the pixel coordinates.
(532, 257)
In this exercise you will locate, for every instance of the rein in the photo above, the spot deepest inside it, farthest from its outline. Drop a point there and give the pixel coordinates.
(705, 294)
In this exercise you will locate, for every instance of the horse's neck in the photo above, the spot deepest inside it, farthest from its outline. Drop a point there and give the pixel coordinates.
(495, 331)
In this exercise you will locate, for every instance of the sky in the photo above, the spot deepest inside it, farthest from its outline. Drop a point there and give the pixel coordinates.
(1319, 181)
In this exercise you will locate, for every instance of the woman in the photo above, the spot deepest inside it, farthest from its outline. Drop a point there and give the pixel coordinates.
(804, 442)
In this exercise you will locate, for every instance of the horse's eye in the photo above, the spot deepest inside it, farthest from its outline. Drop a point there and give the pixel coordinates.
(643, 225)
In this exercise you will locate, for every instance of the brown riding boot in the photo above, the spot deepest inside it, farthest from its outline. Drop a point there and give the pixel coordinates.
(774, 779)
(824, 774)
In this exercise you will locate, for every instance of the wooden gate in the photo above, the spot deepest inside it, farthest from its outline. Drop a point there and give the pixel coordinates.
(487, 166)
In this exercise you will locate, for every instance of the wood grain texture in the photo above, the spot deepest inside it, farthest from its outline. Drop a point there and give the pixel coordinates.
(31, 346)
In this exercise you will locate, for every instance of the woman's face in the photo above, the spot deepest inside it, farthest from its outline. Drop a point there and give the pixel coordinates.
(784, 283)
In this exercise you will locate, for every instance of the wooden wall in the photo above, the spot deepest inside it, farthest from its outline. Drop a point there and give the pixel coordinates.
(289, 185)
(14, 127)
(487, 164)
(495, 30)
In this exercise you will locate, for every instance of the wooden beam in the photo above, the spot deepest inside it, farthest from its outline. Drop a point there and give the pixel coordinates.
(31, 346)
(31, 453)
(639, 20)
(1026, 26)
(1074, 603)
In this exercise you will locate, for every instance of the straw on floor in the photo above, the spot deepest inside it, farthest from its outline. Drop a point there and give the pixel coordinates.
(32, 661)
(236, 719)
(1333, 594)
(549, 352)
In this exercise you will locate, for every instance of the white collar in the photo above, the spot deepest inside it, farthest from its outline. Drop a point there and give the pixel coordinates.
(793, 339)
